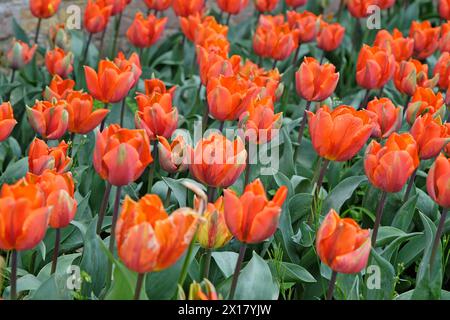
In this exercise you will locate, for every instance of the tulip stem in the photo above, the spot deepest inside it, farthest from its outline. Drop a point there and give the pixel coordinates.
(151, 169)
(102, 41)
(274, 65)
(237, 270)
(56, 250)
(13, 75)
(207, 263)
(248, 165)
(380, 94)
(103, 206)
(112, 237)
(323, 170)
(331, 286)
(102, 126)
(410, 185)
(297, 52)
(341, 8)
(211, 194)
(380, 210)
(86, 49)
(122, 111)
(228, 19)
(222, 124)
(301, 130)
(38, 29)
(116, 34)
(437, 238)
(13, 278)
(186, 262)
(140, 281)
(363, 103)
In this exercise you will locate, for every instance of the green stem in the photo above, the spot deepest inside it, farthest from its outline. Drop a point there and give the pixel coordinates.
(237, 270)
(380, 210)
(140, 281)
(365, 100)
(301, 130)
(112, 237)
(102, 126)
(13, 75)
(331, 285)
(228, 19)
(56, 250)
(151, 169)
(437, 238)
(410, 185)
(13, 279)
(122, 111)
(207, 263)
(186, 262)
(248, 166)
(38, 29)
(86, 49)
(103, 206)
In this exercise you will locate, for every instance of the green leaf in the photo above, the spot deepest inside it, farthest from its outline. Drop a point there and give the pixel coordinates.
(387, 234)
(287, 159)
(290, 272)
(64, 262)
(54, 288)
(300, 206)
(387, 278)
(343, 191)
(15, 171)
(19, 33)
(226, 261)
(405, 214)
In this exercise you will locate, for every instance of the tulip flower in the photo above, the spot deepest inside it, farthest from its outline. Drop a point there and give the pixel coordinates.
(217, 161)
(158, 5)
(444, 41)
(145, 31)
(389, 118)
(196, 292)
(110, 84)
(266, 5)
(133, 63)
(412, 74)
(374, 68)
(385, 4)
(185, 8)
(233, 6)
(60, 37)
(212, 65)
(117, 5)
(330, 36)
(121, 155)
(431, 136)
(173, 157)
(360, 8)
(444, 9)
(206, 30)
(401, 47)
(41, 157)
(59, 62)
(296, 3)
(306, 23)
(82, 116)
(442, 68)
(7, 121)
(96, 16)
(58, 88)
(44, 9)
(424, 101)
(216, 43)
(49, 119)
(267, 81)
(20, 55)
(426, 38)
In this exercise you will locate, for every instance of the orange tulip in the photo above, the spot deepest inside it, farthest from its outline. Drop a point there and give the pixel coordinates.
(389, 168)
(185, 8)
(316, 82)
(196, 291)
(173, 157)
(148, 239)
(438, 181)
(374, 68)
(412, 74)
(252, 218)
(49, 119)
(96, 16)
(44, 9)
(145, 31)
(342, 245)
(20, 54)
(330, 36)
(133, 63)
(212, 65)
(7, 121)
(267, 81)
(233, 6)
(266, 5)
(41, 157)
(306, 23)
(431, 136)
(424, 101)
(389, 117)
(444, 41)
(296, 3)
(59, 62)
(82, 118)
(401, 47)
(158, 5)
(58, 88)
(359, 8)
(229, 97)
(338, 135)
(213, 233)
(217, 44)
(121, 155)
(444, 9)
(426, 38)
(217, 161)
(117, 5)
(110, 84)
(385, 4)
(58, 190)
(198, 29)
(442, 68)
(59, 36)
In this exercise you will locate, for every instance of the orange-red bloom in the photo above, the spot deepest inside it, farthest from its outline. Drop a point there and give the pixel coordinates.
(58, 88)
(23, 216)
(82, 117)
(217, 161)
(360, 8)
(233, 6)
(438, 181)
(266, 5)
(44, 9)
(252, 218)
(213, 65)
(201, 291)
(342, 245)
(385, 4)
(330, 36)
(267, 80)
(41, 157)
(431, 135)
(412, 74)
(424, 101)
(442, 69)
(316, 82)
(7, 121)
(305, 23)
(444, 9)
(117, 5)
(148, 239)
(110, 84)
(184, 8)
(401, 47)
(296, 3)
(158, 5)
(444, 41)
(49, 119)
(96, 16)
(59, 62)
(389, 168)
(145, 31)
(338, 135)
(133, 63)
(374, 68)
(426, 38)
(20, 54)
(389, 117)
(173, 157)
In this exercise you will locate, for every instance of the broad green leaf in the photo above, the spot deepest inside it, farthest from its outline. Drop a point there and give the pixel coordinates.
(15, 171)
(226, 261)
(289, 272)
(343, 191)
(405, 214)
(383, 269)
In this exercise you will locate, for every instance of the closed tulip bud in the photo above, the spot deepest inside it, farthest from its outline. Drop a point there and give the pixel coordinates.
(121, 155)
(374, 68)
(217, 161)
(389, 117)
(438, 181)
(296, 3)
(426, 38)
(330, 36)
(444, 41)
(20, 54)
(44, 9)
(23, 216)
(110, 84)
(411, 74)
(233, 6)
(342, 245)
(442, 68)
(213, 233)
(252, 218)
(444, 9)
(360, 8)
(145, 31)
(82, 116)
(305, 23)
(59, 62)
(266, 5)
(431, 136)
(401, 47)
(58, 88)
(425, 101)
(49, 119)
(7, 121)
(117, 6)
(316, 82)
(389, 168)
(173, 157)
(212, 65)
(60, 37)
(185, 8)
(96, 16)
(201, 291)
(148, 239)
(58, 190)
(133, 63)
(338, 135)
(158, 5)
(41, 157)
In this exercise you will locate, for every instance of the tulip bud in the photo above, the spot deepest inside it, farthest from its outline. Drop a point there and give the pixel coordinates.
(41, 157)
(96, 16)
(426, 38)
(60, 37)
(49, 119)
(444, 42)
(442, 69)
(360, 8)
(424, 101)
(7, 121)
(430, 134)
(145, 31)
(444, 9)
(185, 8)
(58, 88)
(20, 54)
(402, 48)
(389, 118)
(158, 5)
(133, 63)
(296, 3)
(438, 180)
(59, 63)
(173, 157)
(44, 9)
(232, 7)
(196, 291)
(305, 23)
(330, 36)
(374, 68)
